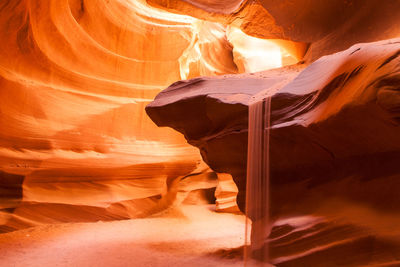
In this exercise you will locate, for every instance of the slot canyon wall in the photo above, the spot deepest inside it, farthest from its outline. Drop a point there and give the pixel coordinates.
(309, 29)
(334, 150)
(334, 140)
(76, 75)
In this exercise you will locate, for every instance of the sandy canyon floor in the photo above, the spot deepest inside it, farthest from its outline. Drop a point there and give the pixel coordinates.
(190, 236)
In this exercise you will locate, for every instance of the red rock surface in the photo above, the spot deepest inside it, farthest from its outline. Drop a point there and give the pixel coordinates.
(334, 149)
(75, 76)
(327, 26)
(325, 107)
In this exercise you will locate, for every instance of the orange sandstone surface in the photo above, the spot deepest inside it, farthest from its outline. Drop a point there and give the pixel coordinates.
(76, 144)
(75, 77)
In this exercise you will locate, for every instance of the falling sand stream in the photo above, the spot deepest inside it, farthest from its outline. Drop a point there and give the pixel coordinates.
(257, 189)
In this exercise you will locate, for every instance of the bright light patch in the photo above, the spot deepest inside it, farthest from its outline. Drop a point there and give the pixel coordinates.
(142, 8)
(252, 54)
(205, 55)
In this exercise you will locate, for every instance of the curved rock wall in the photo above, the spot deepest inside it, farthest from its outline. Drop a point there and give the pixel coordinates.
(341, 109)
(326, 26)
(75, 77)
(334, 150)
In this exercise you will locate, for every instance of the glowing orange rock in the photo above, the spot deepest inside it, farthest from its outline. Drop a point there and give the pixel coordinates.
(75, 77)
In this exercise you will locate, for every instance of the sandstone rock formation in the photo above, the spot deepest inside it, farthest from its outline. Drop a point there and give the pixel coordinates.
(75, 77)
(77, 146)
(327, 26)
(334, 148)
(342, 110)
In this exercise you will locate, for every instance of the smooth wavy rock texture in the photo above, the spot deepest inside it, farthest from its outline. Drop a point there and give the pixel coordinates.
(326, 26)
(76, 144)
(75, 76)
(334, 150)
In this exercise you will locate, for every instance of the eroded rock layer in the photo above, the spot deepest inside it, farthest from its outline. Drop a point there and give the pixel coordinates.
(334, 149)
(327, 26)
(75, 77)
